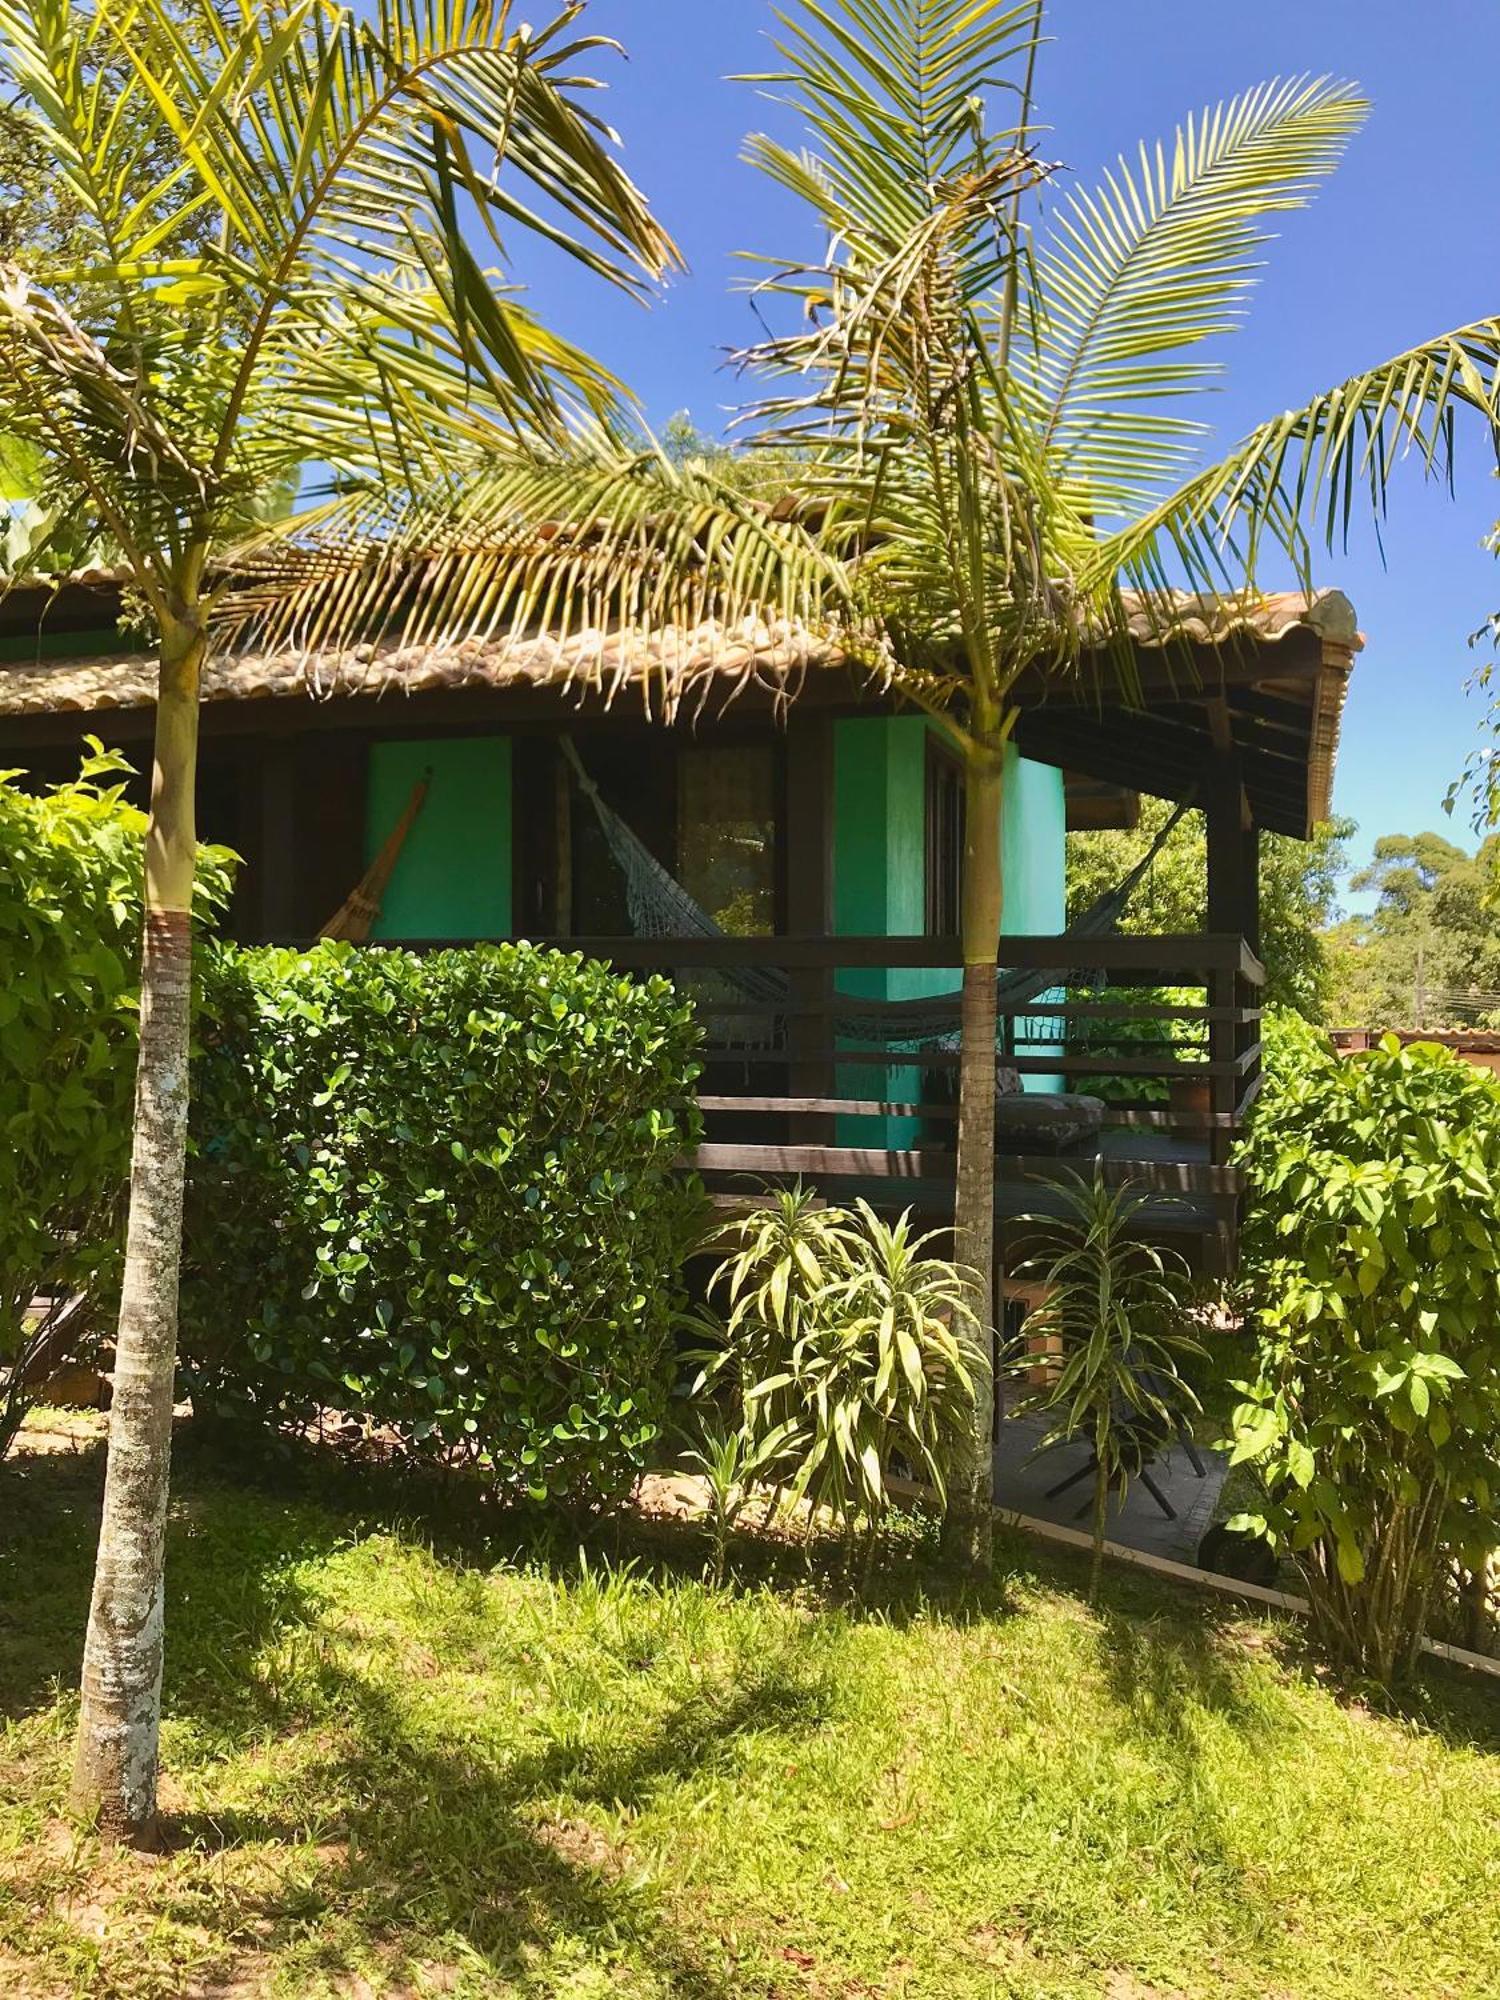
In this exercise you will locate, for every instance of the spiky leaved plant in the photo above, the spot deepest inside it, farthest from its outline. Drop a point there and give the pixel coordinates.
(851, 1343)
(1114, 1307)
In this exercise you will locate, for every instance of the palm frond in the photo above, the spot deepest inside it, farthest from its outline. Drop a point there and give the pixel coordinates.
(87, 420)
(888, 91)
(336, 311)
(1334, 454)
(597, 556)
(1156, 262)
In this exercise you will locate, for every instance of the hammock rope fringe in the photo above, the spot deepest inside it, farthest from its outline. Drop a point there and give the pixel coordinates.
(660, 907)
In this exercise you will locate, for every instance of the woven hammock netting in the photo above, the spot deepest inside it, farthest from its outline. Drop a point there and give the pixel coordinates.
(660, 907)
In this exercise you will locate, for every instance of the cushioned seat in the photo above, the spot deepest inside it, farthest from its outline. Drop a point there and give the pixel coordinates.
(1052, 1125)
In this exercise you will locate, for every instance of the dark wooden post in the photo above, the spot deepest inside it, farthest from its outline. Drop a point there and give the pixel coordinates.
(328, 824)
(1233, 912)
(808, 865)
(1233, 855)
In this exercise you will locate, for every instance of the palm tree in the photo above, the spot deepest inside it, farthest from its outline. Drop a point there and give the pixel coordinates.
(977, 423)
(270, 206)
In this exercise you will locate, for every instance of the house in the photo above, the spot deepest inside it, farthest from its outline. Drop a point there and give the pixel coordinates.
(800, 832)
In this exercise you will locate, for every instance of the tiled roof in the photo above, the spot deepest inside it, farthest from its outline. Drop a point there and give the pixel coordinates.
(672, 660)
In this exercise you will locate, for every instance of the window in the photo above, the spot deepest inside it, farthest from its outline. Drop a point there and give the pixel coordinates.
(726, 834)
(945, 840)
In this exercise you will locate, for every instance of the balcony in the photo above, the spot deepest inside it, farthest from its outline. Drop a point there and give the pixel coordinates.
(835, 1060)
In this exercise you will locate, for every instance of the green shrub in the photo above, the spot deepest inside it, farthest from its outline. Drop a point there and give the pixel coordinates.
(436, 1195)
(1373, 1258)
(70, 914)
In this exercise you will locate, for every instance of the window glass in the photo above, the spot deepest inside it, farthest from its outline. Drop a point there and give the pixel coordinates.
(945, 841)
(726, 834)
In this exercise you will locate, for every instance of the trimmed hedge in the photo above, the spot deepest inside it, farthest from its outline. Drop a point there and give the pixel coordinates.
(70, 927)
(437, 1195)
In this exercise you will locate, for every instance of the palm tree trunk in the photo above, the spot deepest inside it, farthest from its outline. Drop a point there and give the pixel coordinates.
(969, 1526)
(115, 1764)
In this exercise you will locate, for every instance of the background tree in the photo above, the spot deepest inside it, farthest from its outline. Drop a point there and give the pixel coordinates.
(1298, 900)
(268, 208)
(982, 416)
(1426, 954)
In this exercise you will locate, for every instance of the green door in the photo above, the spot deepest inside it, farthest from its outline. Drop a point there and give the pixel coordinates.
(453, 878)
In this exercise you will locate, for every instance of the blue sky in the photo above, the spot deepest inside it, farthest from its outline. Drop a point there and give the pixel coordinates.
(1402, 244)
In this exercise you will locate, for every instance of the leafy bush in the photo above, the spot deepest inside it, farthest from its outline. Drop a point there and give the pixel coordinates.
(1373, 1256)
(436, 1195)
(1144, 1034)
(70, 914)
(847, 1347)
(1116, 1307)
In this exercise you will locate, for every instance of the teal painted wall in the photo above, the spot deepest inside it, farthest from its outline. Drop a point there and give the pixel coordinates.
(453, 879)
(879, 869)
(1034, 855)
(1034, 847)
(880, 831)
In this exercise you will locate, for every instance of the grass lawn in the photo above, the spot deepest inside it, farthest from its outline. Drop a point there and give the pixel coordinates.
(405, 1759)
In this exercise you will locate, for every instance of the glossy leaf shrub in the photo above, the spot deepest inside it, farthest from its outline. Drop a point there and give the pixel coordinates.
(70, 920)
(436, 1196)
(1373, 1256)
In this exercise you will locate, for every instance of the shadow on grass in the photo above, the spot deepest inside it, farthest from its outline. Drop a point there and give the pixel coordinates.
(1168, 1673)
(417, 1842)
(457, 1517)
(428, 1844)
(1456, 1704)
(446, 1854)
(222, 1615)
(49, 1522)
(1166, 1669)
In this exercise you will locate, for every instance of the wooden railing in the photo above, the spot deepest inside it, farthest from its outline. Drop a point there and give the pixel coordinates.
(806, 1075)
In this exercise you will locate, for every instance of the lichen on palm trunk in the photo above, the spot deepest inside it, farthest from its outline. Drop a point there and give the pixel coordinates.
(968, 1526)
(115, 1760)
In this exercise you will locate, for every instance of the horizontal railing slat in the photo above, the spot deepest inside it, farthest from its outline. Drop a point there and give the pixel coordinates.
(847, 1107)
(1099, 1063)
(928, 1164)
(1117, 1117)
(1211, 951)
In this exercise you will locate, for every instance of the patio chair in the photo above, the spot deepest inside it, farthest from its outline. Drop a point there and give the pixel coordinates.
(1145, 1439)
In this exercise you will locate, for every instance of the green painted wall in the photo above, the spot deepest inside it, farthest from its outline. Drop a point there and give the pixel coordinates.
(880, 831)
(454, 876)
(1034, 847)
(880, 792)
(1034, 855)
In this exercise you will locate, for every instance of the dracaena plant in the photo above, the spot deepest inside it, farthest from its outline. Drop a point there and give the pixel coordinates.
(1114, 1308)
(269, 267)
(847, 1345)
(982, 429)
